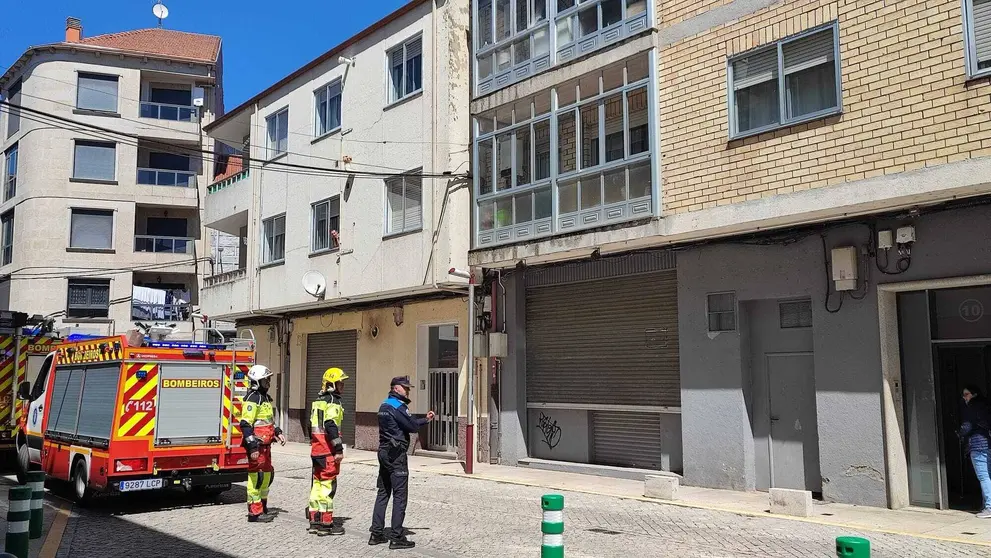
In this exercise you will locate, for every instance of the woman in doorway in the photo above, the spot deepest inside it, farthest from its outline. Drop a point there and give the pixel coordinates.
(974, 432)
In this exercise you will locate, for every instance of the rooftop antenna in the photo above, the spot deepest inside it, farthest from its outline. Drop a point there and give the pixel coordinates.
(160, 11)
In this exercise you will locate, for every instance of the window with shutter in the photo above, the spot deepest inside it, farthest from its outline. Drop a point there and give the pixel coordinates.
(406, 70)
(793, 80)
(7, 237)
(978, 22)
(277, 128)
(10, 173)
(328, 109)
(92, 229)
(88, 298)
(274, 238)
(94, 160)
(97, 92)
(404, 203)
(795, 314)
(14, 112)
(326, 222)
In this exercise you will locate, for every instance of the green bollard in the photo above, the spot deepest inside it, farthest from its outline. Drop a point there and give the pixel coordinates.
(853, 547)
(18, 517)
(36, 480)
(552, 526)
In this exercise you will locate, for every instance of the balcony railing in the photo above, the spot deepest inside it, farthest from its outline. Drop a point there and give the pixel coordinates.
(163, 244)
(226, 277)
(160, 312)
(164, 177)
(162, 111)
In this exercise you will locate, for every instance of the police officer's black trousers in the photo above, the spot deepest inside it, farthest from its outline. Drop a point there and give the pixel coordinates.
(393, 481)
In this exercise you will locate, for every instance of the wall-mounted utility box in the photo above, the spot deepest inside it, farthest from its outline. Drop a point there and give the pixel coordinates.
(845, 268)
(498, 345)
(481, 345)
(905, 235)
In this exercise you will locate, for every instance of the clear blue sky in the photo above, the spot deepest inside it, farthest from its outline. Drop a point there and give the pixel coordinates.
(262, 41)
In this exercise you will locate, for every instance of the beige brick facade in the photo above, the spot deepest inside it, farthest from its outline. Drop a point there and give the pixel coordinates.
(907, 103)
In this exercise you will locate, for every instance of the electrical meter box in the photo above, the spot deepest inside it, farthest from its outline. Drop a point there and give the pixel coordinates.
(845, 268)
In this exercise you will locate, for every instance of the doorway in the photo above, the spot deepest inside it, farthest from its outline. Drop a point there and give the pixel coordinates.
(957, 367)
(783, 394)
(443, 365)
(945, 344)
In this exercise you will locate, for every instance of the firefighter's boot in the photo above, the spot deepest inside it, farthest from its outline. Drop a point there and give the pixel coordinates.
(315, 527)
(327, 526)
(265, 507)
(262, 518)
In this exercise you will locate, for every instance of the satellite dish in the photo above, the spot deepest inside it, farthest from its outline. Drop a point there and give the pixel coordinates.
(160, 11)
(314, 283)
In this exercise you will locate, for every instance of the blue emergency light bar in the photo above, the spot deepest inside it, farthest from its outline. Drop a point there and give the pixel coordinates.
(184, 345)
(72, 338)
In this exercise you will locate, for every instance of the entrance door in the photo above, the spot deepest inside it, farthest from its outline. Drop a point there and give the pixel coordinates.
(790, 377)
(442, 387)
(958, 367)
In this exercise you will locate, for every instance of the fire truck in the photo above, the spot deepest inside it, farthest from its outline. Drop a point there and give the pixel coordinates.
(22, 350)
(134, 413)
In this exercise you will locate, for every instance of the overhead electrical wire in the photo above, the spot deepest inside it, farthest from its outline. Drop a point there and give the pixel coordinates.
(267, 164)
(227, 141)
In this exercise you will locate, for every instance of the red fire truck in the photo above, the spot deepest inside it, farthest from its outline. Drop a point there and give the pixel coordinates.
(22, 350)
(127, 413)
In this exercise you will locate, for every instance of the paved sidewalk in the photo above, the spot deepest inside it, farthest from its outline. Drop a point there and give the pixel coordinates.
(950, 525)
(451, 516)
(53, 509)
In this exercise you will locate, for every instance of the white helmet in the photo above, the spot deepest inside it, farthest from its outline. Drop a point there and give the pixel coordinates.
(258, 373)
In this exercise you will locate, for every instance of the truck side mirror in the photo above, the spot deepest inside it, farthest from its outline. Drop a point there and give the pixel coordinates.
(24, 390)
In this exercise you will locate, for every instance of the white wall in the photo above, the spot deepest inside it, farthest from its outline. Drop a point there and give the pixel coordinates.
(45, 193)
(428, 130)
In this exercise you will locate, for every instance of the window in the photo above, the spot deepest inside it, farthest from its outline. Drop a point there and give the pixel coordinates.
(92, 229)
(7, 237)
(328, 109)
(10, 173)
(795, 314)
(403, 202)
(274, 239)
(326, 223)
(97, 92)
(278, 133)
(406, 70)
(14, 114)
(94, 160)
(793, 80)
(88, 298)
(977, 33)
(601, 144)
(721, 308)
(165, 94)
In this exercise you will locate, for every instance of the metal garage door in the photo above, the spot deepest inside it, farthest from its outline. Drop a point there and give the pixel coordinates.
(608, 342)
(326, 350)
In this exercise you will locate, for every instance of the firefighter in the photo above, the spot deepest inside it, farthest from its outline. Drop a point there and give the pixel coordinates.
(259, 431)
(326, 452)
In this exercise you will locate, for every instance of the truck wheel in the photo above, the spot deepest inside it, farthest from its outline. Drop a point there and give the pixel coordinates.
(80, 482)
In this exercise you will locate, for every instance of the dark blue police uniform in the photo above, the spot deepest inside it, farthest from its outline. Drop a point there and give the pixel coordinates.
(395, 425)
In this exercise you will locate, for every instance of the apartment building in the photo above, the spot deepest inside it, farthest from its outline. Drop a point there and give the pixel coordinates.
(347, 183)
(800, 296)
(104, 171)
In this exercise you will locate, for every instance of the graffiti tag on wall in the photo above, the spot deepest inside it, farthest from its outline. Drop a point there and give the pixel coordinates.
(550, 430)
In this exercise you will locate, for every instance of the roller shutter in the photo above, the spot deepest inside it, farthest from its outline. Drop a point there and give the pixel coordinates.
(609, 341)
(333, 349)
(626, 439)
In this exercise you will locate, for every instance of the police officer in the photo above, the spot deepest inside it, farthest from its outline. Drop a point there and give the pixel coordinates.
(326, 452)
(395, 426)
(258, 431)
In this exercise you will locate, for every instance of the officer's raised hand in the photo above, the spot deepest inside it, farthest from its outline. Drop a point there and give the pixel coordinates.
(431, 415)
